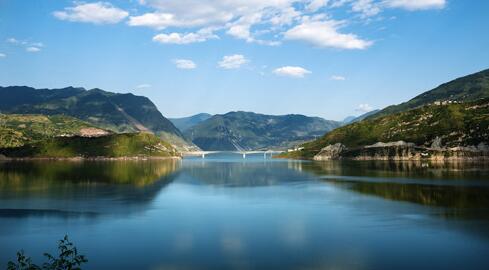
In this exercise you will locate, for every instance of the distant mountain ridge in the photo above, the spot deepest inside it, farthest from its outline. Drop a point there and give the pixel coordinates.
(353, 119)
(112, 111)
(185, 123)
(252, 131)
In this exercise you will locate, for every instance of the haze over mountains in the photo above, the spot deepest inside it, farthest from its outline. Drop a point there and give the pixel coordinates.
(185, 123)
(353, 119)
(252, 131)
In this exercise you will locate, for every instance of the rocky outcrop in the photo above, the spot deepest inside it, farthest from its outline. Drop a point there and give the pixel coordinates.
(401, 150)
(332, 151)
(402, 144)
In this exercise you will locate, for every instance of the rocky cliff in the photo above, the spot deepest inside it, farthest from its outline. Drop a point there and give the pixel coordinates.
(401, 151)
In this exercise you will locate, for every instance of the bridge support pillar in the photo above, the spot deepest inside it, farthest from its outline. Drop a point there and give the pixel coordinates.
(244, 155)
(203, 155)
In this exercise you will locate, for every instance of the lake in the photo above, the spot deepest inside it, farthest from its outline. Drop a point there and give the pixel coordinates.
(226, 212)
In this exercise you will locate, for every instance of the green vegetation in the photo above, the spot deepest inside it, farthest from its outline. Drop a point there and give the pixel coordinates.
(456, 112)
(17, 130)
(67, 259)
(251, 131)
(458, 124)
(465, 89)
(112, 146)
(110, 111)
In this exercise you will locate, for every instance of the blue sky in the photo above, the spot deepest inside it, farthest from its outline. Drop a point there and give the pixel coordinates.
(316, 57)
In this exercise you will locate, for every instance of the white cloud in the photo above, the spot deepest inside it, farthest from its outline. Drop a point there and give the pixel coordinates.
(184, 64)
(13, 40)
(337, 78)
(367, 8)
(237, 17)
(177, 38)
(416, 4)
(29, 46)
(325, 34)
(232, 61)
(97, 13)
(143, 86)
(187, 38)
(265, 22)
(163, 20)
(314, 5)
(364, 107)
(2, 55)
(291, 71)
(33, 49)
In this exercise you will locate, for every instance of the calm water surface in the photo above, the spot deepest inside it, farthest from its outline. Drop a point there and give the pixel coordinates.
(224, 212)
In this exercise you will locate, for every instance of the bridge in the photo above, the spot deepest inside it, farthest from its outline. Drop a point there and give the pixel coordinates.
(243, 153)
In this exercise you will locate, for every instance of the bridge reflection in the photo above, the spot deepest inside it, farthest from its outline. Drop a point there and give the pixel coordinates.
(203, 154)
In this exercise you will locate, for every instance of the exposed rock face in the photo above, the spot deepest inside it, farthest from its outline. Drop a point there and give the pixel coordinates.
(387, 151)
(93, 132)
(390, 144)
(436, 143)
(401, 150)
(332, 151)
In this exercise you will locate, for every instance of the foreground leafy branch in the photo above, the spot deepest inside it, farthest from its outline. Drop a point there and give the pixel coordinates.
(67, 259)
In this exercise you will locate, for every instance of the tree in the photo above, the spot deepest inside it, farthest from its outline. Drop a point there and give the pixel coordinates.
(67, 259)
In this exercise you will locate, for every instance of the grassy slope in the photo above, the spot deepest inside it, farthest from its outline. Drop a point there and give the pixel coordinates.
(114, 145)
(17, 130)
(457, 124)
(465, 89)
(111, 111)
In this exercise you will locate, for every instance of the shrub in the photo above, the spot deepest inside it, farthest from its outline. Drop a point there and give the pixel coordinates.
(67, 259)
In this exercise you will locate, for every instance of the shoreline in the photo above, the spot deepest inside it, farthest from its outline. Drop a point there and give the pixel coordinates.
(136, 158)
(388, 159)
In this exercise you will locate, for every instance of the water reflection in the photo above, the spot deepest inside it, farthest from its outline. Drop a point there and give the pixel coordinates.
(81, 188)
(461, 188)
(405, 169)
(242, 174)
(228, 213)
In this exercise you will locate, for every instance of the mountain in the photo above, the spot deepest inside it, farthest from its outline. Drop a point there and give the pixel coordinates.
(17, 130)
(448, 122)
(468, 88)
(252, 131)
(185, 123)
(348, 119)
(353, 119)
(107, 110)
(126, 145)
